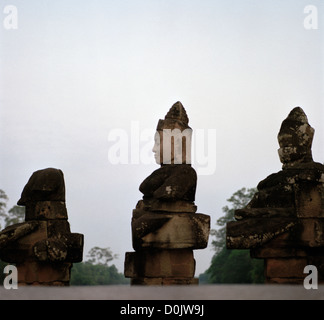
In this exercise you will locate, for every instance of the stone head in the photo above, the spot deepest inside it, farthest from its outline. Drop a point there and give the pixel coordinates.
(295, 139)
(44, 185)
(173, 137)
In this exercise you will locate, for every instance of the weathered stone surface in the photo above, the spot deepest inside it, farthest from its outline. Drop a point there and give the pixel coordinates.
(256, 213)
(295, 139)
(50, 250)
(11, 234)
(273, 252)
(159, 264)
(34, 273)
(176, 118)
(58, 228)
(171, 231)
(160, 206)
(312, 232)
(164, 281)
(44, 185)
(170, 183)
(310, 200)
(75, 247)
(287, 281)
(250, 233)
(22, 248)
(285, 268)
(282, 246)
(46, 210)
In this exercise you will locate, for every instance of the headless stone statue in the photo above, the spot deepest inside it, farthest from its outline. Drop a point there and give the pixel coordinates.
(43, 247)
(44, 185)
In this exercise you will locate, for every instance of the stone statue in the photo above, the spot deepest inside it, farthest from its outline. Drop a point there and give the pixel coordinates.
(43, 247)
(284, 220)
(172, 187)
(278, 190)
(165, 227)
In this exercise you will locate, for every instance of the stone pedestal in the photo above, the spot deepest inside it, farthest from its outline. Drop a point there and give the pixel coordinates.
(160, 266)
(164, 244)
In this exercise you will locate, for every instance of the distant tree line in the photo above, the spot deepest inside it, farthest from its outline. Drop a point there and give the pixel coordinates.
(96, 271)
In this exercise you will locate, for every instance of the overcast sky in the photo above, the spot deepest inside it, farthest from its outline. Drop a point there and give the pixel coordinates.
(79, 77)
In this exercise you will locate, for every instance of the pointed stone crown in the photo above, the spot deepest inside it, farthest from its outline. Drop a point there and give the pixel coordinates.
(175, 118)
(295, 138)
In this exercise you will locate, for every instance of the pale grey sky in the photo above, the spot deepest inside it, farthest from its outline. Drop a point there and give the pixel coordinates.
(73, 72)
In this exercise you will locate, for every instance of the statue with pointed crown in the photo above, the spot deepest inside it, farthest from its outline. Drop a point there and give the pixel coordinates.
(172, 187)
(295, 139)
(284, 222)
(165, 225)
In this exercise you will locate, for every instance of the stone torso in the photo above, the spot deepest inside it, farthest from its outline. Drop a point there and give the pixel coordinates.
(171, 182)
